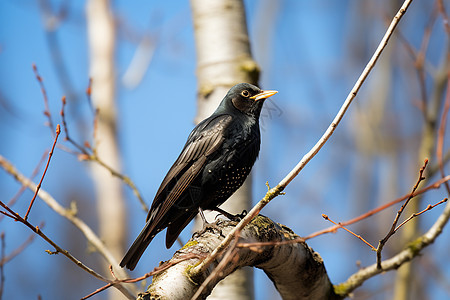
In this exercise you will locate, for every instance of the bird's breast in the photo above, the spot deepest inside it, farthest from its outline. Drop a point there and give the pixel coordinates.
(226, 172)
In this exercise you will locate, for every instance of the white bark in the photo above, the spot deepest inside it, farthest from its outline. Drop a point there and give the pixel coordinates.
(109, 193)
(295, 269)
(223, 60)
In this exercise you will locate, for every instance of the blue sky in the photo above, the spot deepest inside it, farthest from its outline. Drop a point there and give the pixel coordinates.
(310, 51)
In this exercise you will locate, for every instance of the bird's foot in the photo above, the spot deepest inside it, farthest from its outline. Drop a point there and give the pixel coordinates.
(239, 217)
(208, 227)
(236, 217)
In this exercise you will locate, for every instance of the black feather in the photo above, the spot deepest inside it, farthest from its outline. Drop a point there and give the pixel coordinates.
(215, 161)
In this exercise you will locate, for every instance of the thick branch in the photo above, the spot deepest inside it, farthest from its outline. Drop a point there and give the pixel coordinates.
(295, 269)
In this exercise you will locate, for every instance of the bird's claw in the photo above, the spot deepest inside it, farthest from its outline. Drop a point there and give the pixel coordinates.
(239, 217)
(208, 227)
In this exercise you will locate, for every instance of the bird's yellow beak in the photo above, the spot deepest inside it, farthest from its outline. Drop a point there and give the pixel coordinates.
(263, 95)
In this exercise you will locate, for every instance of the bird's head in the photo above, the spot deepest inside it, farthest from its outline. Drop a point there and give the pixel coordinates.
(248, 98)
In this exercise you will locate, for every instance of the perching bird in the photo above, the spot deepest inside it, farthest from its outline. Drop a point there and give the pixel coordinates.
(213, 164)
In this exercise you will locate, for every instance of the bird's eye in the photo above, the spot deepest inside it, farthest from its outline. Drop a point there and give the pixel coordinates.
(245, 93)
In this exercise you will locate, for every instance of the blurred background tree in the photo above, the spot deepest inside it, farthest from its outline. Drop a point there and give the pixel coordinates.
(312, 52)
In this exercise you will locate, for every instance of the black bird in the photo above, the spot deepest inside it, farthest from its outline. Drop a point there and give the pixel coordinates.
(214, 163)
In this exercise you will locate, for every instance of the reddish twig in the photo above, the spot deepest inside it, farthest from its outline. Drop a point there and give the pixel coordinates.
(112, 272)
(50, 154)
(44, 94)
(399, 213)
(9, 215)
(66, 130)
(88, 153)
(406, 255)
(69, 214)
(254, 246)
(52, 20)
(99, 290)
(349, 231)
(434, 185)
(155, 271)
(16, 217)
(420, 61)
(429, 207)
(89, 94)
(23, 188)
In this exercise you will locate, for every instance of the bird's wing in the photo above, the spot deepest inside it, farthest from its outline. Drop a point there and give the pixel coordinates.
(204, 140)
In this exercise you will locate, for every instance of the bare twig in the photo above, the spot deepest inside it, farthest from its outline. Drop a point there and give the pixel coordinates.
(112, 273)
(272, 193)
(420, 61)
(372, 212)
(58, 131)
(52, 21)
(88, 153)
(399, 213)
(66, 130)
(435, 185)
(349, 231)
(44, 94)
(22, 189)
(89, 94)
(66, 253)
(429, 207)
(412, 250)
(37, 230)
(69, 214)
(122, 177)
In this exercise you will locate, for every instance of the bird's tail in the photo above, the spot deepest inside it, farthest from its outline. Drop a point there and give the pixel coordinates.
(136, 250)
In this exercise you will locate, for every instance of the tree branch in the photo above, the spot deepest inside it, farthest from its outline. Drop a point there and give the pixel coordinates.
(437, 184)
(16, 217)
(399, 213)
(412, 250)
(38, 187)
(295, 269)
(69, 214)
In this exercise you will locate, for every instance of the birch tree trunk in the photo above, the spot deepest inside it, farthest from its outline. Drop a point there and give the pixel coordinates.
(109, 194)
(223, 60)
